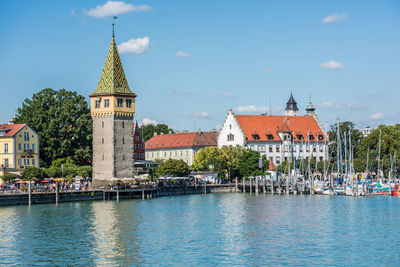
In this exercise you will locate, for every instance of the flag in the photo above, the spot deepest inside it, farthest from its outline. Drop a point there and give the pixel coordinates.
(260, 163)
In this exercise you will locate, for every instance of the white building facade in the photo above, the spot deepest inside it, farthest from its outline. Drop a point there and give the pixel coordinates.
(279, 138)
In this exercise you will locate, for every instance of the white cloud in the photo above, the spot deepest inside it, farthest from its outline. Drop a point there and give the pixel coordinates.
(182, 54)
(376, 116)
(269, 70)
(114, 8)
(199, 115)
(226, 94)
(250, 109)
(335, 18)
(331, 105)
(137, 46)
(147, 121)
(331, 65)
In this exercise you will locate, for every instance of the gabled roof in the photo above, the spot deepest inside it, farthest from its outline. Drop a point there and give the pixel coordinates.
(11, 129)
(176, 140)
(112, 80)
(266, 124)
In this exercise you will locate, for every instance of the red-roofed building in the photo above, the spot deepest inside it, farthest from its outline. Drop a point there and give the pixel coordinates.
(277, 137)
(19, 147)
(138, 144)
(179, 145)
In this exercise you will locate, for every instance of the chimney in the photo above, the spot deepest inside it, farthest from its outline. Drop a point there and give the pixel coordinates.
(199, 131)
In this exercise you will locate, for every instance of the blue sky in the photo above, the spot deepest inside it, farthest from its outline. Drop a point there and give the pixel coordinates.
(192, 61)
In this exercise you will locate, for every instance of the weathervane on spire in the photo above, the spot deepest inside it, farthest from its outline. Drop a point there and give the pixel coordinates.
(114, 18)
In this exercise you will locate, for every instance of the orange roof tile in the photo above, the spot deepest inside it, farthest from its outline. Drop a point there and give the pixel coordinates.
(177, 140)
(266, 124)
(11, 129)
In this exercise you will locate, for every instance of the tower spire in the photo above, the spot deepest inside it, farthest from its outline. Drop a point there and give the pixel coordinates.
(113, 24)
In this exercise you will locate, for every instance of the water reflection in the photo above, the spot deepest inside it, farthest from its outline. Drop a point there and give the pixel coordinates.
(219, 229)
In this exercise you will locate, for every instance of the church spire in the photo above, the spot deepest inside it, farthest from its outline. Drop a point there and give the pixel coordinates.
(291, 107)
(310, 109)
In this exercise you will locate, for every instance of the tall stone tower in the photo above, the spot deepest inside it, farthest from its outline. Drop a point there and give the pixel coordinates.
(112, 107)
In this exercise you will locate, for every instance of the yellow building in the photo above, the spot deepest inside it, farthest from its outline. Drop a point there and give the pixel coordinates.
(19, 147)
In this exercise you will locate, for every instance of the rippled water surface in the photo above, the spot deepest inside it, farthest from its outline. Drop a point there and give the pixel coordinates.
(205, 230)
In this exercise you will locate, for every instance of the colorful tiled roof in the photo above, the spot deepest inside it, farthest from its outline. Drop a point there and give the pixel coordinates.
(271, 125)
(11, 129)
(177, 140)
(112, 80)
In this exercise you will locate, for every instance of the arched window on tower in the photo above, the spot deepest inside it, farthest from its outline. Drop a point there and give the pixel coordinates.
(231, 137)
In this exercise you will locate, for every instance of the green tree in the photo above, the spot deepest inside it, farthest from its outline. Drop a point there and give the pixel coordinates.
(249, 163)
(62, 119)
(147, 131)
(344, 129)
(173, 167)
(85, 171)
(210, 156)
(9, 177)
(53, 172)
(32, 173)
(61, 161)
(390, 143)
(233, 156)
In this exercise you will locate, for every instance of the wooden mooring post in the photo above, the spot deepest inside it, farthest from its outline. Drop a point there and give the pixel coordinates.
(142, 194)
(251, 185)
(236, 185)
(117, 195)
(244, 184)
(57, 191)
(256, 186)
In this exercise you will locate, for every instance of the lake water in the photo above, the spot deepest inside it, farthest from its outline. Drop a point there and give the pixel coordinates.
(205, 230)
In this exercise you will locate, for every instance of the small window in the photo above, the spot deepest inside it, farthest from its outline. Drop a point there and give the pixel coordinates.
(5, 148)
(120, 102)
(256, 137)
(129, 103)
(271, 148)
(277, 148)
(278, 160)
(33, 161)
(231, 137)
(300, 137)
(102, 124)
(321, 148)
(27, 161)
(102, 140)
(270, 137)
(33, 147)
(123, 124)
(315, 149)
(106, 103)
(123, 140)
(19, 147)
(97, 103)
(19, 162)
(6, 163)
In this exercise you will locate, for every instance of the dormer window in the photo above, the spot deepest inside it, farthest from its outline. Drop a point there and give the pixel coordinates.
(256, 137)
(311, 137)
(320, 137)
(270, 137)
(299, 137)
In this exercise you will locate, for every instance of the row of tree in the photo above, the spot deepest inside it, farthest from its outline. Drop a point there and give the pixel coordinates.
(59, 168)
(227, 161)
